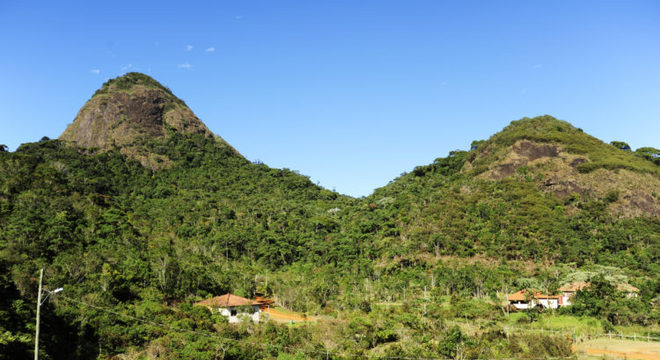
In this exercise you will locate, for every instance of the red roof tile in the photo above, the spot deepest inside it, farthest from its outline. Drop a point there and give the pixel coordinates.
(226, 300)
(522, 295)
(627, 288)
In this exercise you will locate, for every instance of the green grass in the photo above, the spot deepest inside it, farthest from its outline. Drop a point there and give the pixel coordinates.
(580, 325)
(514, 317)
(552, 322)
(588, 325)
(300, 324)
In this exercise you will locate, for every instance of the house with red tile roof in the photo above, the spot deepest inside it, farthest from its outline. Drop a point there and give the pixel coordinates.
(530, 298)
(569, 290)
(629, 290)
(233, 307)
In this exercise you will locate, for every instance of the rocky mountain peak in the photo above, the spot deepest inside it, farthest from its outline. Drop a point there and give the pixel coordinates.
(129, 109)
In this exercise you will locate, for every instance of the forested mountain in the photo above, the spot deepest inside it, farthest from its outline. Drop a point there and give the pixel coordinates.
(540, 189)
(138, 210)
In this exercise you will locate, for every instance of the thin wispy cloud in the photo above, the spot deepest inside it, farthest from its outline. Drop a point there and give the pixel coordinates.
(186, 66)
(189, 47)
(95, 71)
(126, 67)
(211, 49)
(238, 17)
(537, 66)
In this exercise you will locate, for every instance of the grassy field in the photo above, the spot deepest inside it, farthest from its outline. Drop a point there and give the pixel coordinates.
(580, 326)
(618, 349)
(572, 324)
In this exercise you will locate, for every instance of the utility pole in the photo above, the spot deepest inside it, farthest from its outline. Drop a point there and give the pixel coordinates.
(36, 336)
(39, 302)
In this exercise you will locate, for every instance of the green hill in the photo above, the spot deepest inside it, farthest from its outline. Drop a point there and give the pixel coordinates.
(524, 194)
(548, 130)
(138, 213)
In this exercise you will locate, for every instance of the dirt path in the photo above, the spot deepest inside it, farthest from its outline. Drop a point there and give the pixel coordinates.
(621, 349)
(277, 315)
(623, 355)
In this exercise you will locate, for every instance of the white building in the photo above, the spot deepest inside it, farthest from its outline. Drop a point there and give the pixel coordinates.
(629, 290)
(568, 291)
(233, 307)
(528, 299)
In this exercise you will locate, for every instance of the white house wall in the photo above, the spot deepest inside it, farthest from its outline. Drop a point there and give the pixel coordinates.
(549, 303)
(521, 306)
(226, 312)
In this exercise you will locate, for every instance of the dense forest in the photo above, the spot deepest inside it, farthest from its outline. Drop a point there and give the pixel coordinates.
(420, 268)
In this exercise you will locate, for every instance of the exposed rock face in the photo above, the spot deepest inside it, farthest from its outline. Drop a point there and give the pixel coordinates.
(563, 187)
(129, 109)
(559, 175)
(522, 153)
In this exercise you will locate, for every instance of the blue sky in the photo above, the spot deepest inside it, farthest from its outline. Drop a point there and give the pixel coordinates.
(350, 93)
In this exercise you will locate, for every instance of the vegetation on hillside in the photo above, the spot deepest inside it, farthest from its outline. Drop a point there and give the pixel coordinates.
(546, 129)
(129, 80)
(417, 269)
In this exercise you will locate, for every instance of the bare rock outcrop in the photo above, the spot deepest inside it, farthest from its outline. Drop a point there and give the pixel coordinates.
(128, 110)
